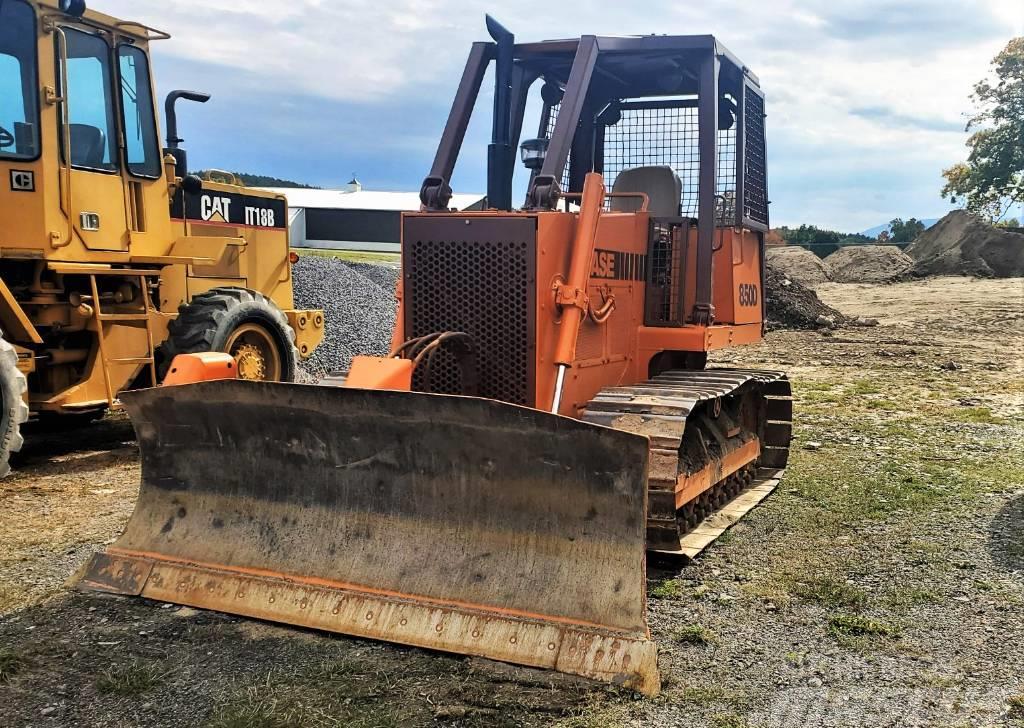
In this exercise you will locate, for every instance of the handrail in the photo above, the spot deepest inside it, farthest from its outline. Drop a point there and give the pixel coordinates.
(232, 178)
(645, 198)
(65, 125)
(151, 32)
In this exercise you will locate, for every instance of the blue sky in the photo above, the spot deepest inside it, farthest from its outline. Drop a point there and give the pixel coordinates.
(867, 99)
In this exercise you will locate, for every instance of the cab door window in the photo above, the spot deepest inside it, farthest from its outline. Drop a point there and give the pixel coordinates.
(89, 95)
(141, 144)
(19, 108)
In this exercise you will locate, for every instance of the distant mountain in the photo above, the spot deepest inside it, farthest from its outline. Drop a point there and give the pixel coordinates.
(261, 180)
(877, 230)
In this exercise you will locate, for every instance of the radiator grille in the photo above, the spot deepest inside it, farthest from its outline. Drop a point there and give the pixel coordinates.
(478, 279)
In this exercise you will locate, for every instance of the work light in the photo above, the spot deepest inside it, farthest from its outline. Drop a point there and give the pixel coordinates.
(533, 152)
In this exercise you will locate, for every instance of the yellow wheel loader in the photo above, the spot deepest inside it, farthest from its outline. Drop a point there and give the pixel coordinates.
(113, 259)
(546, 417)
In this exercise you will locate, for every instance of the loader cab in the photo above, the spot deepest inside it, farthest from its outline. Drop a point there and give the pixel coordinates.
(81, 162)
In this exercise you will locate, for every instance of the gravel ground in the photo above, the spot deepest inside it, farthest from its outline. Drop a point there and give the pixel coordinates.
(881, 585)
(358, 300)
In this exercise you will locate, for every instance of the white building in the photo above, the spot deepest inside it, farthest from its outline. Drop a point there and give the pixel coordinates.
(353, 218)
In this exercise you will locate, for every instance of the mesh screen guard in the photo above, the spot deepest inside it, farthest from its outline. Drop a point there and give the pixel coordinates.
(665, 133)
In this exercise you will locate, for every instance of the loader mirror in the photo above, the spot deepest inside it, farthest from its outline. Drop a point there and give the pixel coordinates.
(533, 152)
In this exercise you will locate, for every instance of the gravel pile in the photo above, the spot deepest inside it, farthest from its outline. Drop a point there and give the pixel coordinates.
(791, 305)
(868, 264)
(798, 264)
(358, 300)
(961, 244)
(385, 276)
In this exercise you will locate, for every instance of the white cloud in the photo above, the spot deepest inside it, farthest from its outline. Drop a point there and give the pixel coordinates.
(857, 86)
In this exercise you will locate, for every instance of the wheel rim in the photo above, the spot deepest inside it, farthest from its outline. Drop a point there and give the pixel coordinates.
(256, 354)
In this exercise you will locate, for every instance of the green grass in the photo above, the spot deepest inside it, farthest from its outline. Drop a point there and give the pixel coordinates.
(831, 592)
(11, 663)
(729, 720)
(283, 714)
(133, 678)
(278, 704)
(911, 596)
(668, 589)
(352, 256)
(708, 695)
(854, 625)
(693, 634)
(726, 538)
(598, 715)
(332, 671)
(978, 415)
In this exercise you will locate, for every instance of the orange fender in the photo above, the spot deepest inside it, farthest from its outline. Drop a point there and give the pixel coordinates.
(201, 367)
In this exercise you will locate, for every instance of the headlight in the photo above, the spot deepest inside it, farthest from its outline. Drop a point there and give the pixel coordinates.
(533, 152)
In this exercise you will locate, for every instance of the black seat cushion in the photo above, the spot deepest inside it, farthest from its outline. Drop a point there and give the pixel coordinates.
(88, 144)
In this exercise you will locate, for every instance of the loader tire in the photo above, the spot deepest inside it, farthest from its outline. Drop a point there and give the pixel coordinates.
(241, 322)
(13, 386)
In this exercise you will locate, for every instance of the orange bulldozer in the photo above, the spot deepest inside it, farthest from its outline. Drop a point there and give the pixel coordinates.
(546, 417)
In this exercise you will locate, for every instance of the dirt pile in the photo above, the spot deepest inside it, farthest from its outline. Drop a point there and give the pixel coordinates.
(961, 244)
(798, 264)
(791, 305)
(868, 264)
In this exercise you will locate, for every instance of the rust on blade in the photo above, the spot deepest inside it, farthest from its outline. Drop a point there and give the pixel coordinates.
(454, 523)
(111, 573)
(617, 658)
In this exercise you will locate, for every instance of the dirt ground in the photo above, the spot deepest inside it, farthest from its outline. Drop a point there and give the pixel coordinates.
(881, 585)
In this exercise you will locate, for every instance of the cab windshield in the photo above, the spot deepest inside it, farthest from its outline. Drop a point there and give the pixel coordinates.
(19, 112)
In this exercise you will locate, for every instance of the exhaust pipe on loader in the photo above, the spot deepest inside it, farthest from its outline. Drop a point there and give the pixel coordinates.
(447, 522)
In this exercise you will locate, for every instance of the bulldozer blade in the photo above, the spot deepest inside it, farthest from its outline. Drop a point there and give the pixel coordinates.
(452, 523)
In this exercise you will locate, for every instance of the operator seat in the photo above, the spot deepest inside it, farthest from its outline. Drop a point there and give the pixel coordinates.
(88, 146)
(661, 185)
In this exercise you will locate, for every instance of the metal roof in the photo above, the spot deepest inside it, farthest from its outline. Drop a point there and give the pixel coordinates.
(363, 199)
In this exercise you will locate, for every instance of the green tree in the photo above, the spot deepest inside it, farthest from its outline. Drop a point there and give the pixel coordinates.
(262, 180)
(817, 240)
(905, 232)
(992, 178)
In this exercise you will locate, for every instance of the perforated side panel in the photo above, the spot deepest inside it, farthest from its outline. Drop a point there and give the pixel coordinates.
(590, 343)
(755, 187)
(478, 278)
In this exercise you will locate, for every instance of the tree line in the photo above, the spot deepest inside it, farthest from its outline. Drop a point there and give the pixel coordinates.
(824, 242)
